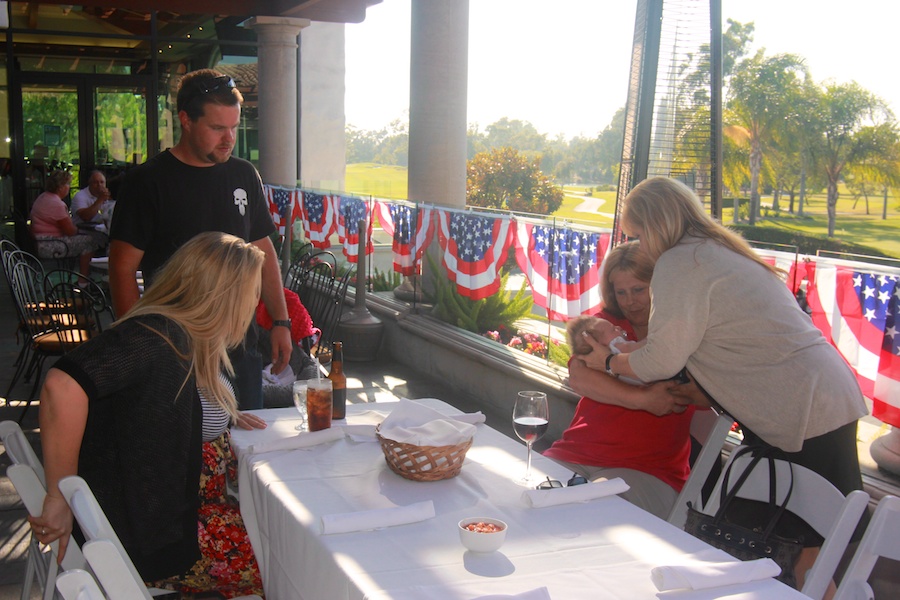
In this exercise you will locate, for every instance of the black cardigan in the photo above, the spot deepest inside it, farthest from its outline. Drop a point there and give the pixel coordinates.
(142, 445)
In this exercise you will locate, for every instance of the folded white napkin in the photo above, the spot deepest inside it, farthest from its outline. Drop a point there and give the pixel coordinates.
(377, 518)
(304, 439)
(700, 576)
(475, 418)
(286, 377)
(359, 432)
(540, 593)
(575, 493)
(420, 425)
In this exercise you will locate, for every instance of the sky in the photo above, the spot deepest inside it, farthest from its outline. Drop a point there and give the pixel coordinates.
(563, 65)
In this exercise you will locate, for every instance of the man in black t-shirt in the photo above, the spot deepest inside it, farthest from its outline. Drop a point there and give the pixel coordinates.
(199, 186)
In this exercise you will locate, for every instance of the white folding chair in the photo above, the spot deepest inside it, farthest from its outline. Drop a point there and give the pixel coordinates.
(711, 430)
(104, 552)
(27, 476)
(78, 585)
(814, 499)
(882, 538)
(18, 448)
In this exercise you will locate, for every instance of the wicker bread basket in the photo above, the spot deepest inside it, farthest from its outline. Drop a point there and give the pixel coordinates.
(423, 463)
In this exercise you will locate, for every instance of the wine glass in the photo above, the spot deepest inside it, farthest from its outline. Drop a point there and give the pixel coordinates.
(531, 416)
(299, 394)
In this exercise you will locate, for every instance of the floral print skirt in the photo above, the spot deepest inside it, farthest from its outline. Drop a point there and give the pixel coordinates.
(227, 564)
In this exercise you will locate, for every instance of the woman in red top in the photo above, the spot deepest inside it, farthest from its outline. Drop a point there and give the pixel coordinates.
(637, 433)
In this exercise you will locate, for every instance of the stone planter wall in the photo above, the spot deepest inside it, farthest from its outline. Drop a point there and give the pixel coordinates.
(470, 364)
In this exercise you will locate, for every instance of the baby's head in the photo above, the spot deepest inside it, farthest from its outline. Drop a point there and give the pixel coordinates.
(600, 329)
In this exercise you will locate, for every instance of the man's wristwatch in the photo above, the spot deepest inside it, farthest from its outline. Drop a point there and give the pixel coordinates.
(609, 370)
(282, 323)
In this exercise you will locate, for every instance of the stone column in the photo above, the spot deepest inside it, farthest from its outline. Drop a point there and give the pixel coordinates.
(438, 83)
(323, 151)
(277, 72)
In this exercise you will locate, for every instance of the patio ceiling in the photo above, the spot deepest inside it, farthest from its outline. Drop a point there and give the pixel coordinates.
(333, 11)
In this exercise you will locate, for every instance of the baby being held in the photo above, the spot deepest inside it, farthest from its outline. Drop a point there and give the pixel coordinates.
(601, 331)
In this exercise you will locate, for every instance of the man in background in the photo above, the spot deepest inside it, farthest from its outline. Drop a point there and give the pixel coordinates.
(199, 186)
(86, 206)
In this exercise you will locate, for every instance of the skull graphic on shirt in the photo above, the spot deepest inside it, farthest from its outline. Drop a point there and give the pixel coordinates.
(240, 200)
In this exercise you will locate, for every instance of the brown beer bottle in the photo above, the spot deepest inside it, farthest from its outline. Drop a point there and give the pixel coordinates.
(338, 382)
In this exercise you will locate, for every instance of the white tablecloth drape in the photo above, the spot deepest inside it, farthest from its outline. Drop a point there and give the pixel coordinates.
(604, 548)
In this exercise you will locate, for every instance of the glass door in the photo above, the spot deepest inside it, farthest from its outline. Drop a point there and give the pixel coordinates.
(120, 126)
(79, 122)
(120, 130)
(51, 133)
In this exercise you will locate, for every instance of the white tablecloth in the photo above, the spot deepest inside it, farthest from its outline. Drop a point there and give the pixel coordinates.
(595, 550)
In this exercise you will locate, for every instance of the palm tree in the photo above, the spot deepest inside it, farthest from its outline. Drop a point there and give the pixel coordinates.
(856, 126)
(760, 100)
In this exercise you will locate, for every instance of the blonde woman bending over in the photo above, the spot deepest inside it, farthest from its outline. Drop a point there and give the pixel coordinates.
(123, 410)
(727, 315)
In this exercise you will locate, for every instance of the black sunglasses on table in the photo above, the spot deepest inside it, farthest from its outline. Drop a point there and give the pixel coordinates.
(550, 484)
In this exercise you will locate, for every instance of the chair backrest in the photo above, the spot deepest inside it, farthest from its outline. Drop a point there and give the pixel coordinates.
(17, 256)
(95, 526)
(711, 430)
(111, 566)
(19, 450)
(7, 246)
(882, 538)
(86, 304)
(334, 311)
(27, 283)
(32, 492)
(78, 584)
(814, 499)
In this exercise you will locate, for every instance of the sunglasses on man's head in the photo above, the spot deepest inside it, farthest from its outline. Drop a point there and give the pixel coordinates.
(550, 484)
(199, 87)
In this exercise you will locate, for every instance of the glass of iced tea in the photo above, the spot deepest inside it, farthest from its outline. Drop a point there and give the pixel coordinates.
(318, 404)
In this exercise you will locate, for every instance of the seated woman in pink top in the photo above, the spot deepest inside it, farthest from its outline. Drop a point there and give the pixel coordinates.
(635, 432)
(51, 223)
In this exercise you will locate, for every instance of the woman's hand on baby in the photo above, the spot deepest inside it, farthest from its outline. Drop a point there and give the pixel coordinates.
(596, 358)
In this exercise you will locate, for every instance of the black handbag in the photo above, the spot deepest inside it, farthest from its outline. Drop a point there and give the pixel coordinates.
(742, 542)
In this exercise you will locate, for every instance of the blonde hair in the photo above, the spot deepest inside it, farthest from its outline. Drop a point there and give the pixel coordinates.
(574, 330)
(211, 288)
(665, 210)
(625, 257)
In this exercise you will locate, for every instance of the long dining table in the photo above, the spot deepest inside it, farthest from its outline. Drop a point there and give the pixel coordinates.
(600, 549)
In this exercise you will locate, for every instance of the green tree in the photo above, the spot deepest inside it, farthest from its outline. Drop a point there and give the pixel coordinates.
(855, 126)
(393, 148)
(761, 91)
(361, 145)
(876, 173)
(521, 135)
(505, 179)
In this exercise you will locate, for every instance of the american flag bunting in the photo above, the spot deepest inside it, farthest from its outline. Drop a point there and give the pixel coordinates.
(563, 267)
(474, 248)
(411, 229)
(857, 313)
(317, 213)
(350, 211)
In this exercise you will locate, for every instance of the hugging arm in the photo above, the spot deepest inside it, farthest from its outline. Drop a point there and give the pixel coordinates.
(600, 387)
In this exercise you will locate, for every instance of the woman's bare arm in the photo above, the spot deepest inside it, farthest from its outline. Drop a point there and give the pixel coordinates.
(600, 387)
(63, 415)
